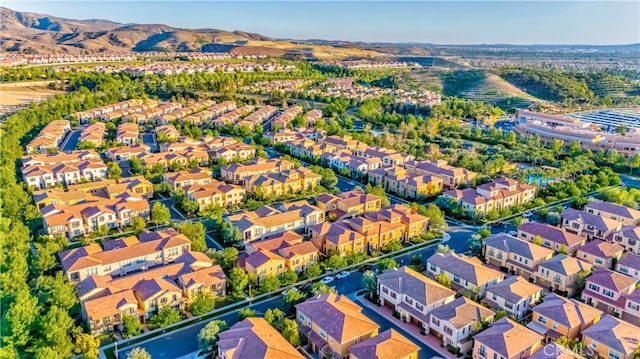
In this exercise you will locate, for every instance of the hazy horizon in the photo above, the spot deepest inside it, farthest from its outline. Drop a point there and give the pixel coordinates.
(440, 23)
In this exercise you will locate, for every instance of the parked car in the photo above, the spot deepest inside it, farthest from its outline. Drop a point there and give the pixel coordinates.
(352, 183)
(527, 214)
(326, 280)
(497, 224)
(513, 233)
(365, 268)
(343, 274)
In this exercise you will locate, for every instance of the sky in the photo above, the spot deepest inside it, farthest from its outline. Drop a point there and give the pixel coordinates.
(451, 22)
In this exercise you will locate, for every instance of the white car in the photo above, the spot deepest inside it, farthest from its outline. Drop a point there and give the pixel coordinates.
(527, 214)
(326, 280)
(343, 274)
(513, 233)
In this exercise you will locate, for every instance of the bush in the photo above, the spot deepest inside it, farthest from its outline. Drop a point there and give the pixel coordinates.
(423, 331)
(452, 349)
(396, 314)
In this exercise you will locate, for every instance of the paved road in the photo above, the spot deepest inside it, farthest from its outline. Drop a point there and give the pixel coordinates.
(70, 142)
(149, 139)
(630, 182)
(175, 215)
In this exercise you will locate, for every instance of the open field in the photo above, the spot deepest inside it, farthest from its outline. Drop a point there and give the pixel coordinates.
(323, 52)
(19, 93)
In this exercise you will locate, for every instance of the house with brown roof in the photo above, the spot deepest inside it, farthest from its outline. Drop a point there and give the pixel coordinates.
(43, 176)
(558, 239)
(614, 211)
(127, 133)
(606, 290)
(411, 294)
(166, 133)
(297, 253)
(628, 237)
(629, 264)
(377, 233)
(285, 182)
(349, 204)
(216, 193)
(455, 323)
(49, 137)
(333, 322)
(559, 317)
(186, 178)
(588, 225)
(518, 256)
(555, 351)
(502, 193)
(233, 153)
(415, 223)
(612, 338)
(505, 339)
(93, 134)
(386, 345)
(126, 153)
(119, 257)
(452, 177)
(281, 136)
(560, 273)
(264, 263)
(514, 294)
(236, 172)
(468, 274)
(404, 183)
(600, 253)
(337, 237)
(254, 338)
(60, 158)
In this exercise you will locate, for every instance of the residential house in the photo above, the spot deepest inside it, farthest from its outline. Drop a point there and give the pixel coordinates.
(281, 136)
(127, 133)
(415, 223)
(404, 183)
(560, 273)
(298, 254)
(233, 153)
(600, 253)
(628, 237)
(452, 177)
(588, 225)
(342, 142)
(555, 351)
(386, 345)
(464, 272)
(614, 211)
(93, 134)
(349, 204)
(254, 338)
(238, 171)
(216, 193)
(629, 264)
(606, 290)
(412, 294)
(456, 322)
(312, 116)
(612, 338)
(558, 239)
(502, 193)
(278, 184)
(166, 133)
(387, 156)
(333, 322)
(50, 137)
(123, 256)
(377, 233)
(514, 294)
(186, 178)
(559, 317)
(505, 339)
(126, 153)
(264, 263)
(43, 176)
(517, 256)
(59, 158)
(337, 237)
(631, 307)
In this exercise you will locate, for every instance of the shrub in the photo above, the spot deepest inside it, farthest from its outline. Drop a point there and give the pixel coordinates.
(452, 349)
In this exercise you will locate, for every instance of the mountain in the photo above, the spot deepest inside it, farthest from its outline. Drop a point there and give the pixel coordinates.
(38, 33)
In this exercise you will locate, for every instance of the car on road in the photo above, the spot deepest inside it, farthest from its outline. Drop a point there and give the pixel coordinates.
(352, 183)
(527, 214)
(513, 233)
(326, 280)
(343, 274)
(365, 268)
(497, 224)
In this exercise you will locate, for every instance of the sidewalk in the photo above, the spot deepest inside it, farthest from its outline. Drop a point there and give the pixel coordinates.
(412, 329)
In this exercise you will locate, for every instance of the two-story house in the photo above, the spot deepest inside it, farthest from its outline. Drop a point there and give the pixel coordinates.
(514, 294)
(333, 322)
(254, 338)
(182, 179)
(466, 273)
(557, 239)
(614, 211)
(600, 253)
(454, 323)
(588, 225)
(560, 273)
(411, 294)
(612, 338)
(388, 344)
(558, 317)
(517, 256)
(505, 339)
(628, 237)
(606, 289)
(629, 264)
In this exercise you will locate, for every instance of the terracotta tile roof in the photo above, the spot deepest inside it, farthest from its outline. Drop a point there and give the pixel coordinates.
(255, 338)
(600, 249)
(262, 257)
(615, 334)
(386, 345)
(507, 243)
(551, 233)
(630, 260)
(514, 289)
(275, 241)
(406, 281)
(338, 316)
(461, 312)
(209, 276)
(614, 281)
(150, 288)
(562, 264)
(299, 249)
(613, 208)
(567, 312)
(110, 305)
(554, 351)
(465, 268)
(508, 338)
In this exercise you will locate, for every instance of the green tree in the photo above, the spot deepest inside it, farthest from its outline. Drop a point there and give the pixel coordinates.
(581, 280)
(165, 317)
(160, 214)
(269, 283)
(335, 262)
(392, 246)
(57, 291)
(288, 277)
(318, 288)
(139, 353)
(443, 280)
(378, 191)
(188, 205)
(196, 233)
(114, 170)
(87, 345)
(537, 240)
(132, 326)
(55, 330)
(226, 257)
(102, 231)
(437, 221)
(313, 270)
(369, 282)
(138, 225)
(245, 313)
(443, 248)
(274, 317)
(202, 303)
(634, 162)
(292, 298)
(492, 215)
(136, 166)
(386, 263)
(238, 280)
(290, 332)
(19, 319)
(209, 334)
(563, 249)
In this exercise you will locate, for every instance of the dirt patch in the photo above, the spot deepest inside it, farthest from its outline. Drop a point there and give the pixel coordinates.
(18, 94)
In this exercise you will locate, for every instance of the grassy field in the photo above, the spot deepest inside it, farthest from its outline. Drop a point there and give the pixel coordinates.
(25, 92)
(323, 52)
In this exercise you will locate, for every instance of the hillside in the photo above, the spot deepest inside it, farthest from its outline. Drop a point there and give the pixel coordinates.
(37, 33)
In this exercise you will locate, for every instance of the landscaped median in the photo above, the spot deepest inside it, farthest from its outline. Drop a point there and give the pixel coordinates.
(108, 350)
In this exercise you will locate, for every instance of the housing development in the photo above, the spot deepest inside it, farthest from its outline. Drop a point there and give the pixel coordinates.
(332, 200)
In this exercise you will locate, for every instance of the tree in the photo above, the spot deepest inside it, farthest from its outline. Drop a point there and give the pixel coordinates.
(138, 353)
(634, 162)
(160, 214)
(581, 280)
(209, 334)
(188, 205)
(202, 303)
(165, 317)
(290, 332)
(292, 298)
(136, 166)
(392, 246)
(313, 270)
(270, 283)
(87, 345)
(20, 318)
(115, 172)
(537, 240)
(138, 225)
(334, 262)
(288, 277)
(132, 326)
(386, 263)
(378, 191)
(369, 281)
(231, 234)
(238, 279)
(55, 329)
(274, 317)
(196, 233)
(563, 249)
(226, 257)
(246, 313)
(102, 231)
(493, 215)
(318, 288)
(443, 280)
(437, 221)
(443, 248)
(57, 291)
